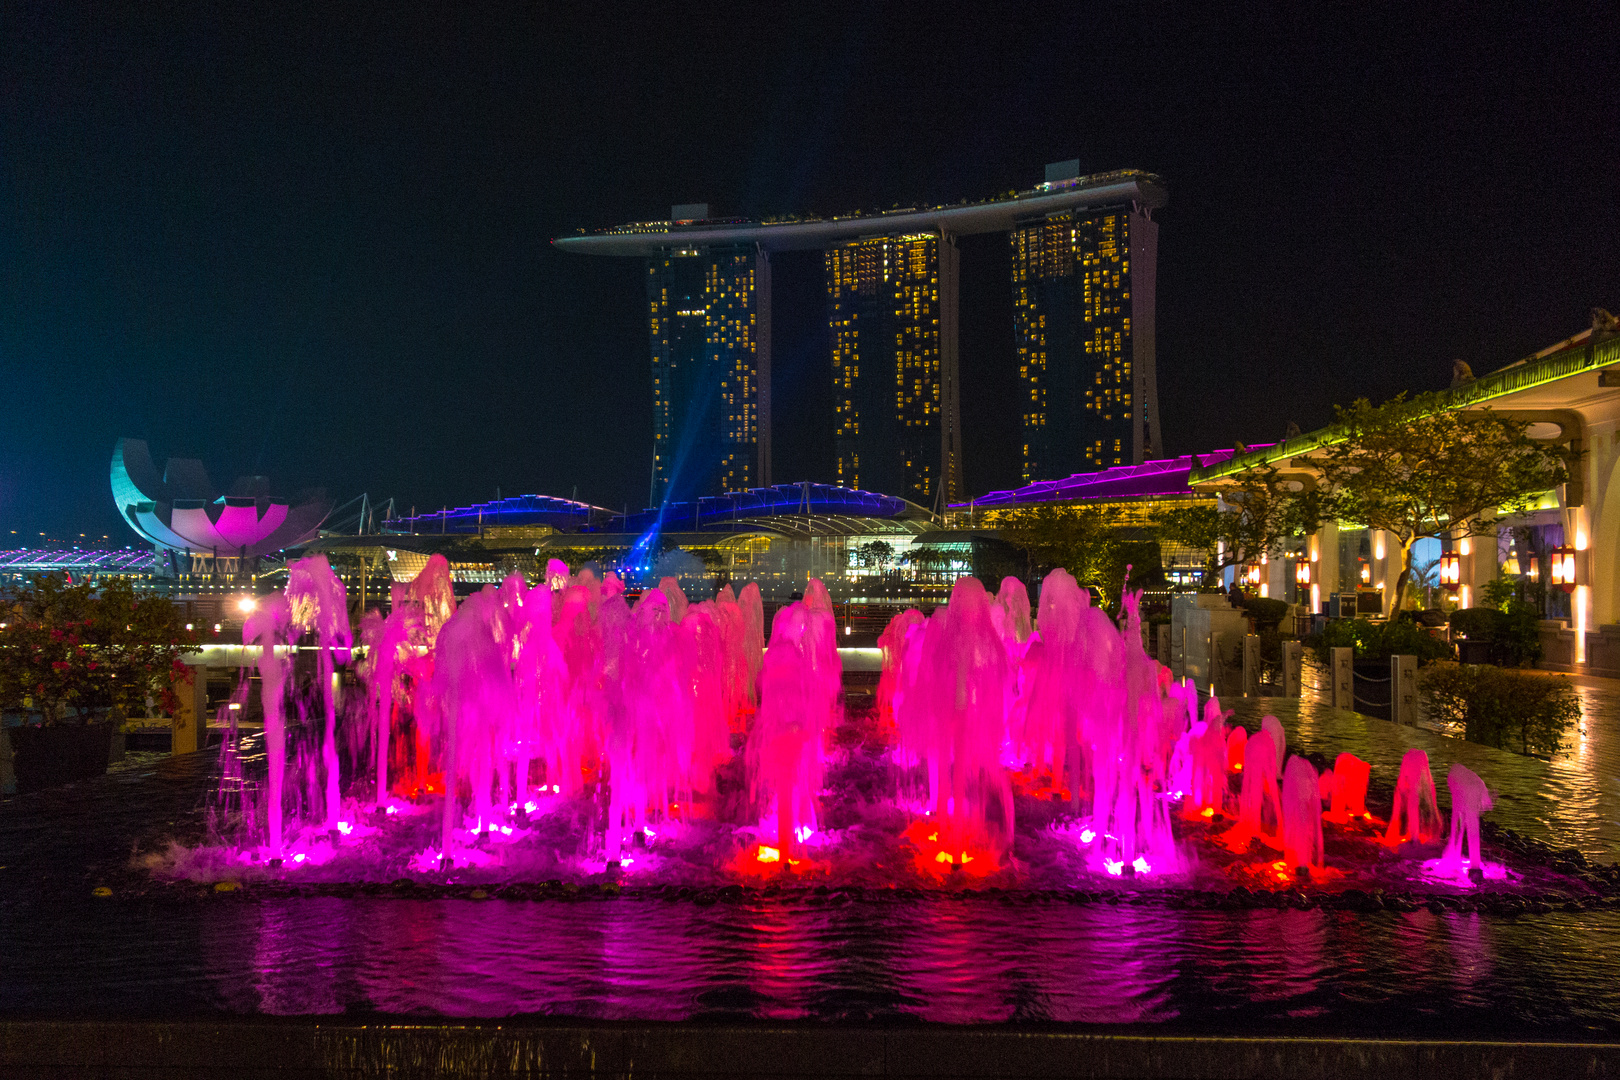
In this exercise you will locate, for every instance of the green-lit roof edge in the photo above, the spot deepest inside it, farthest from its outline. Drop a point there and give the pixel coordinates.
(1511, 379)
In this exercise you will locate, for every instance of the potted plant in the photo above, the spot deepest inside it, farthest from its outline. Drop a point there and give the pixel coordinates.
(73, 661)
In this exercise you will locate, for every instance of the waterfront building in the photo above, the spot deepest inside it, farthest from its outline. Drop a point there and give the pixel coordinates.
(907, 441)
(1083, 314)
(708, 324)
(883, 313)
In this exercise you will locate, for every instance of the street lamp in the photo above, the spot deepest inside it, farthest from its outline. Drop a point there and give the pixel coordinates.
(1302, 572)
(1450, 569)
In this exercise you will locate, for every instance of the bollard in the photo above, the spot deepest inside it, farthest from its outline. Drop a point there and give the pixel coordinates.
(1293, 663)
(1344, 679)
(1403, 690)
(1251, 665)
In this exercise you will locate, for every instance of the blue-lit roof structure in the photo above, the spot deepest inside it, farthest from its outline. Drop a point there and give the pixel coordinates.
(514, 511)
(721, 511)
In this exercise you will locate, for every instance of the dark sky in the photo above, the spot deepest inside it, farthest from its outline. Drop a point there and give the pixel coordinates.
(314, 243)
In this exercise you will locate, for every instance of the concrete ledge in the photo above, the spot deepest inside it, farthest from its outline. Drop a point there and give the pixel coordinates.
(305, 1047)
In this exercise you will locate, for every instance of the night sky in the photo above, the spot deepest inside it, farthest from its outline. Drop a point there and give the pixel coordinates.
(315, 244)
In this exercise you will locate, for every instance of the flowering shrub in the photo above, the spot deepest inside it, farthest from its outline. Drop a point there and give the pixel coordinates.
(73, 645)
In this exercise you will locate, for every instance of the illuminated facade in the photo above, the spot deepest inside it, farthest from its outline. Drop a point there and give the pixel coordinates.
(883, 307)
(710, 338)
(1083, 315)
(897, 425)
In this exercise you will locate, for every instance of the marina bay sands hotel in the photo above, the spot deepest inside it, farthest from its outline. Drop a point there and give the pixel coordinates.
(1083, 256)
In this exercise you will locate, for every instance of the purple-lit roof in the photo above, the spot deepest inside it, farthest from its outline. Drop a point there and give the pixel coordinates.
(1151, 479)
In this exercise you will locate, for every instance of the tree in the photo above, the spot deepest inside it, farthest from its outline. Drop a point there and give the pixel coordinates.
(1262, 513)
(877, 554)
(74, 645)
(1083, 541)
(1416, 469)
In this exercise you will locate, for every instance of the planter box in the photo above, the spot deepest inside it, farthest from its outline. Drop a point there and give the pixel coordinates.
(44, 757)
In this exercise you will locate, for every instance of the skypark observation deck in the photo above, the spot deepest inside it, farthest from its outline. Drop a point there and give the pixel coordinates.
(645, 239)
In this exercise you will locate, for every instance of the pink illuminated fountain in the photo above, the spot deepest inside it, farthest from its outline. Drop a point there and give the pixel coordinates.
(952, 717)
(1301, 817)
(270, 628)
(1260, 800)
(319, 603)
(570, 727)
(1415, 815)
(1469, 799)
(1348, 789)
(798, 696)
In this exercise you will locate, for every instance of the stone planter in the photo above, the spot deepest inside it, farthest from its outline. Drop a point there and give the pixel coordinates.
(44, 757)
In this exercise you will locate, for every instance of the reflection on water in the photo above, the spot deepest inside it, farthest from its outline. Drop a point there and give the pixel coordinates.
(1573, 801)
(962, 961)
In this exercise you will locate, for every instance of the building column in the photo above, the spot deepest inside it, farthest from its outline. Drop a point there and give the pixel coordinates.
(950, 410)
(1325, 573)
(1386, 567)
(1279, 569)
(762, 362)
(1477, 563)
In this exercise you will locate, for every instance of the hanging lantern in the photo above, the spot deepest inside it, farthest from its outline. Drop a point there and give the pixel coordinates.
(1366, 573)
(1450, 569)
(1302, 571)
(1251, 573)
(1563, 568)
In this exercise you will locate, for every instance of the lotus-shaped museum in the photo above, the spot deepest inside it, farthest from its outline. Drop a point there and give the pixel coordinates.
(181, 510)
